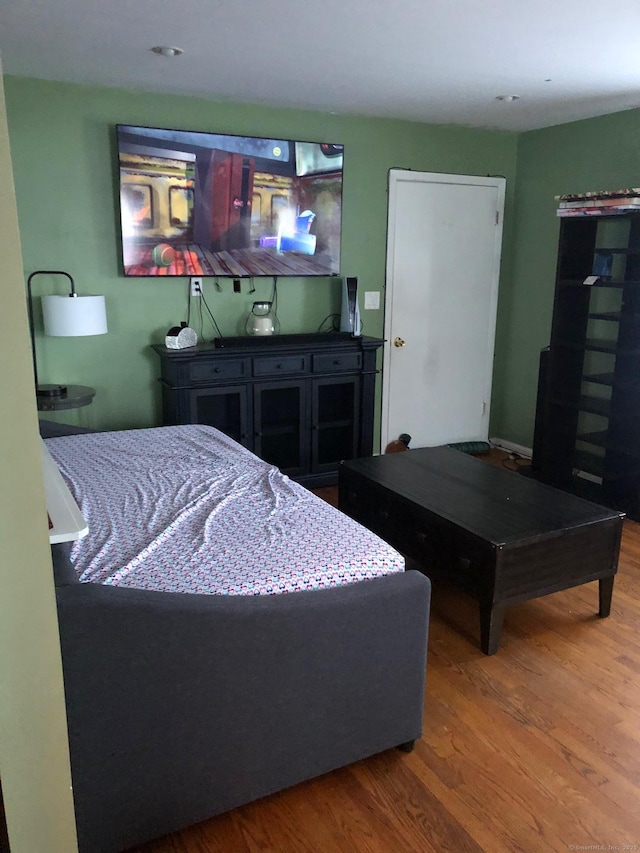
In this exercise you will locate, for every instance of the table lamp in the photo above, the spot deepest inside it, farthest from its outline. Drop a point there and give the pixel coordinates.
(65, 316)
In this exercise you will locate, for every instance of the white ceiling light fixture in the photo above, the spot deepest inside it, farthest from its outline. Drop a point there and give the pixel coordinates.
(163, 50)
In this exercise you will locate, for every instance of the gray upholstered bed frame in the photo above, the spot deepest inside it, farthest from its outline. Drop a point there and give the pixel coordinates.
(182, 706)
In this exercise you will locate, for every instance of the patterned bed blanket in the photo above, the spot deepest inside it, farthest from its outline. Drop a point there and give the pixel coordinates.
(187, 509)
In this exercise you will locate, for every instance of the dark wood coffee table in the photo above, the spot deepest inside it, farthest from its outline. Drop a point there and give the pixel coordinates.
(504, 537)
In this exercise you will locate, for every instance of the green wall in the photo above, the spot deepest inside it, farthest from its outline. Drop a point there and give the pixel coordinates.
(599, 153)
(64, 158)
(63, 138)
(34, 756)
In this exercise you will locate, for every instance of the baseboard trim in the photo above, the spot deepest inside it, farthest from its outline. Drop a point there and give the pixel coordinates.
(511, 447)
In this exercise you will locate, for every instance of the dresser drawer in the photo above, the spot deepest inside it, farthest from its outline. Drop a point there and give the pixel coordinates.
(214, 371)
(283, 365)
(336, 362)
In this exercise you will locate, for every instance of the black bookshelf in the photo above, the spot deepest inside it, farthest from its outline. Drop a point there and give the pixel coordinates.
(588, 408)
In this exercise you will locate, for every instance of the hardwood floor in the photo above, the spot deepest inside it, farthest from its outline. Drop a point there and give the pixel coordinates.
(536, 748)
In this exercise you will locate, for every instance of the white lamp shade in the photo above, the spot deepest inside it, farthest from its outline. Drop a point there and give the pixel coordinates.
(72, 316)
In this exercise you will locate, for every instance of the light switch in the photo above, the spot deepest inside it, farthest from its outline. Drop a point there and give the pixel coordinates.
(371, 299)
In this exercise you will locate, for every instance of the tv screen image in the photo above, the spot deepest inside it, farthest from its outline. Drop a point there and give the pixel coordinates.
(206, 204)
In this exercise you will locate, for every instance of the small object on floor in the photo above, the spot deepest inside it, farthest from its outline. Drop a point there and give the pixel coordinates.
(399, 444)
(475, 448)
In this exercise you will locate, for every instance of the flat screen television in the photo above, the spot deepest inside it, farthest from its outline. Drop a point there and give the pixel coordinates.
(210, 204)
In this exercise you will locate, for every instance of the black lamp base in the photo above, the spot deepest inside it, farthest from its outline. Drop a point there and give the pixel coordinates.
(51, 390)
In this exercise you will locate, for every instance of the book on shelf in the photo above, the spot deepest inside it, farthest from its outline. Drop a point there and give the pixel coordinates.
(590, 210)
(626, 192)
(627, 201)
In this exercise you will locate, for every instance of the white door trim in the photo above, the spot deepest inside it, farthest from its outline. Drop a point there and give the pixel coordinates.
(396, 177)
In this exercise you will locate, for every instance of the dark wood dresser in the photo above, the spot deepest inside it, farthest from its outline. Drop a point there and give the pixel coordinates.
(301, 402)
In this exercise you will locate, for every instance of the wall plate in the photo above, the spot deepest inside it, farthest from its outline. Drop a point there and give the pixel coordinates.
(372, 300)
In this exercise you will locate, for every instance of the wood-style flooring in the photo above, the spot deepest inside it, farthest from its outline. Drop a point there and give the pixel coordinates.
(534, 749)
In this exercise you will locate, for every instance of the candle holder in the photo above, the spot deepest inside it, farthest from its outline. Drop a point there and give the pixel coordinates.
(262, 320)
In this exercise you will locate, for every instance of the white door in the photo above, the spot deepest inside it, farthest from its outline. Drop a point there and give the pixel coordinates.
(443, 263)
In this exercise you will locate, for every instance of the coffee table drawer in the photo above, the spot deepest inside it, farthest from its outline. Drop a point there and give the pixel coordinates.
(391, 519)
(367, 505)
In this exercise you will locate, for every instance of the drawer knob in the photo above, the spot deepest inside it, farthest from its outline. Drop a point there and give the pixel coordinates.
(336, 361)
(216, 370)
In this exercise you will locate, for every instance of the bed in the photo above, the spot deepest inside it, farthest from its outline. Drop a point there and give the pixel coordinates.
(225, 633)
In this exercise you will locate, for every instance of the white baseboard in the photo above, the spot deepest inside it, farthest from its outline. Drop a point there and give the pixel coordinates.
(511, 447)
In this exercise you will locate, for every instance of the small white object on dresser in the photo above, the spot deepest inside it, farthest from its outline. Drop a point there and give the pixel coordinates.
(181, 337)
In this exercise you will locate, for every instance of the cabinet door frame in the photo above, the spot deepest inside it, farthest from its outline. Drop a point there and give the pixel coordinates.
(244, 435)
(303, 423)
(354, 415)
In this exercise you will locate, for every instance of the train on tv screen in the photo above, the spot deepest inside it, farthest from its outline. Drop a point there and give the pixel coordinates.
(208, 204)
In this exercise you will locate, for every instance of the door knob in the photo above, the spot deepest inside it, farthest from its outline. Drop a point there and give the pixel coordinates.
(398, 342)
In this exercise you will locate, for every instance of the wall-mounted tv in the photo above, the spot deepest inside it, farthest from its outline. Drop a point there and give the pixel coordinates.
(210, 204)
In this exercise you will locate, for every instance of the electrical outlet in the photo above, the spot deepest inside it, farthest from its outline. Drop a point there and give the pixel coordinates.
(196, 286)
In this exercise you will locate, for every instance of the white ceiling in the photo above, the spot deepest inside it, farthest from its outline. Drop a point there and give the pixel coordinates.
(436, 61)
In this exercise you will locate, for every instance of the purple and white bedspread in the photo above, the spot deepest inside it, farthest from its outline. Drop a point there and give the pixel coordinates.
(187, 509)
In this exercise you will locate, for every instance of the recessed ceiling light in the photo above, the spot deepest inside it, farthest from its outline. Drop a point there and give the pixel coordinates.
(507, 97)
(167, 51)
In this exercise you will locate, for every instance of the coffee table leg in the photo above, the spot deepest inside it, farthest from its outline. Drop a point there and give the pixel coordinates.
(605, 591)
(491, 619)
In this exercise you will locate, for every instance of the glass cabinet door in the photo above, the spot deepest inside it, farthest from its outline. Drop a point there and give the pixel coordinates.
(281, 425)
(225, 408)
(335, 409)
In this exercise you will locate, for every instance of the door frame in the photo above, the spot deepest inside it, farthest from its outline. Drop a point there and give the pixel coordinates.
(396, 177)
